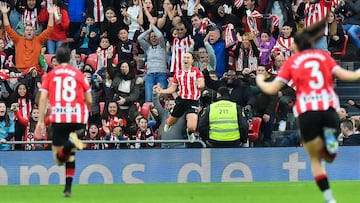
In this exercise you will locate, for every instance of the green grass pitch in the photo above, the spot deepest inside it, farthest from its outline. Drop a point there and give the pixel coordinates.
(246, 192)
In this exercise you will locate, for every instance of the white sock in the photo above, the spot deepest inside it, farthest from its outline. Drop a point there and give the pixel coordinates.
(328, 195)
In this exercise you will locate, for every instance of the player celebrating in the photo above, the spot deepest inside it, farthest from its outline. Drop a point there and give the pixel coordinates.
(190, 81)
(68, 93)
(316, 101)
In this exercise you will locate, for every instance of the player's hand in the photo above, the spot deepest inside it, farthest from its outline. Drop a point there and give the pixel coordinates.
(40, 127)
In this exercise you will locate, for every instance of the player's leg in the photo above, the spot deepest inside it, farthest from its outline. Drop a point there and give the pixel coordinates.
(314, 149)
(69, 173)
(311, 128)
(192, 112)
(191, 124)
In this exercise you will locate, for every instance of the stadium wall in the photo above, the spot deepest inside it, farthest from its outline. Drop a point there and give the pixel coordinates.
(175, 165)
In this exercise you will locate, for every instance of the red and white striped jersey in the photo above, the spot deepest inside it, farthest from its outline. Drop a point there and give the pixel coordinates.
(178, 48)
(66, 87)
(316, 12)
(98, 11)
(284, 45)
(311, 72)
(186, 81)
(30, 18)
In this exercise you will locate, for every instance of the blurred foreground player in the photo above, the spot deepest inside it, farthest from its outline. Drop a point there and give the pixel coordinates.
(316, 101)
(67, 94)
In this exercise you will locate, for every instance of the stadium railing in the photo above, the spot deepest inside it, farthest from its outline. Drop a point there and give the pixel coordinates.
(113, 142)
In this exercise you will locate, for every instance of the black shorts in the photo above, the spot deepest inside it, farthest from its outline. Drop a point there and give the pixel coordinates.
(185, 106)
(60, 132)
(312, 123)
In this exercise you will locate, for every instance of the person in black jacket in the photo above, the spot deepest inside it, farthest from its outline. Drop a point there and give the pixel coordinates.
(239, 89)
(223, 135)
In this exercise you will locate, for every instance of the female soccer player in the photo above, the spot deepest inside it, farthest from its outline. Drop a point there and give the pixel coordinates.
(316, 101)
(190, 81)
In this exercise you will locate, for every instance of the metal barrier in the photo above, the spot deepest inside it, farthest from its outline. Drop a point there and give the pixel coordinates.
(113, 142)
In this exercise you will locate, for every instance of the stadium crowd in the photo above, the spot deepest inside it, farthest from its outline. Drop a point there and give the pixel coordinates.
(129, 49)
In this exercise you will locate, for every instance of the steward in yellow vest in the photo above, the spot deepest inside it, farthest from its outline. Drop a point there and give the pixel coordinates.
(223, 124)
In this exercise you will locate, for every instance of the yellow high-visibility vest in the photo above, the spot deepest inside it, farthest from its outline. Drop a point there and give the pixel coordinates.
(223, 121)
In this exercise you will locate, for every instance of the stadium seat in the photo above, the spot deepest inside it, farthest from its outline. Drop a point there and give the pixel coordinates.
(254, 129)
(145, 109)
(92, 60)
(48, 59)
(102, 106)
(340, 54)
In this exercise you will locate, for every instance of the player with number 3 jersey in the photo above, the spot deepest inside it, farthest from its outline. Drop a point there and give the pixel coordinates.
(316, 104)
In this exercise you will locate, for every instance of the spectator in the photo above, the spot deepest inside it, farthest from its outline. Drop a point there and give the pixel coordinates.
(169, 19)
(350, 10)
(263, 105)
(102, 53)
(87, 37)
(285, 41)
(343, 113)
(110, 27)
(8, 43)
(177, 131)
(31, 14)
(131, 15)
(77, 12)
(125, 88)
(179, 46)
(7, 126)
(147, 14)
(61, 26)
(199, 30)
(153, 43)
(266, 44)
(30, 124)
(223, 124)
(111, 118)
(189, 93)
(118, 134)
(144, 132)
(282, 9)
(22, 98)
(350, 137)
(221, 53)
(315, 11)
(93, 134)
(96, 84)
(246, 53)
(125, 48)
(99, 10)
(239, 89)
(27, 47)
(251, 19)
(9, 85)
(207, 58)
(336, 36)
(353, 103)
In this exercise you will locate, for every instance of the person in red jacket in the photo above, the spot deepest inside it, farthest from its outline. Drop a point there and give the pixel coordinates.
(61, 26)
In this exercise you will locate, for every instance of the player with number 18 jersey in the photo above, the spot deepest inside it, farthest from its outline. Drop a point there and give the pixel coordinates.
(66, 87)
(312, 73)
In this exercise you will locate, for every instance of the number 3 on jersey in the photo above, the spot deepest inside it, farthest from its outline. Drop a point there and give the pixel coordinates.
(65, 89)
(317, 78)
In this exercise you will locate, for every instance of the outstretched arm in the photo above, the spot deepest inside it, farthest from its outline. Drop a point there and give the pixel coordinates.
(347, 75)
(271, 87)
